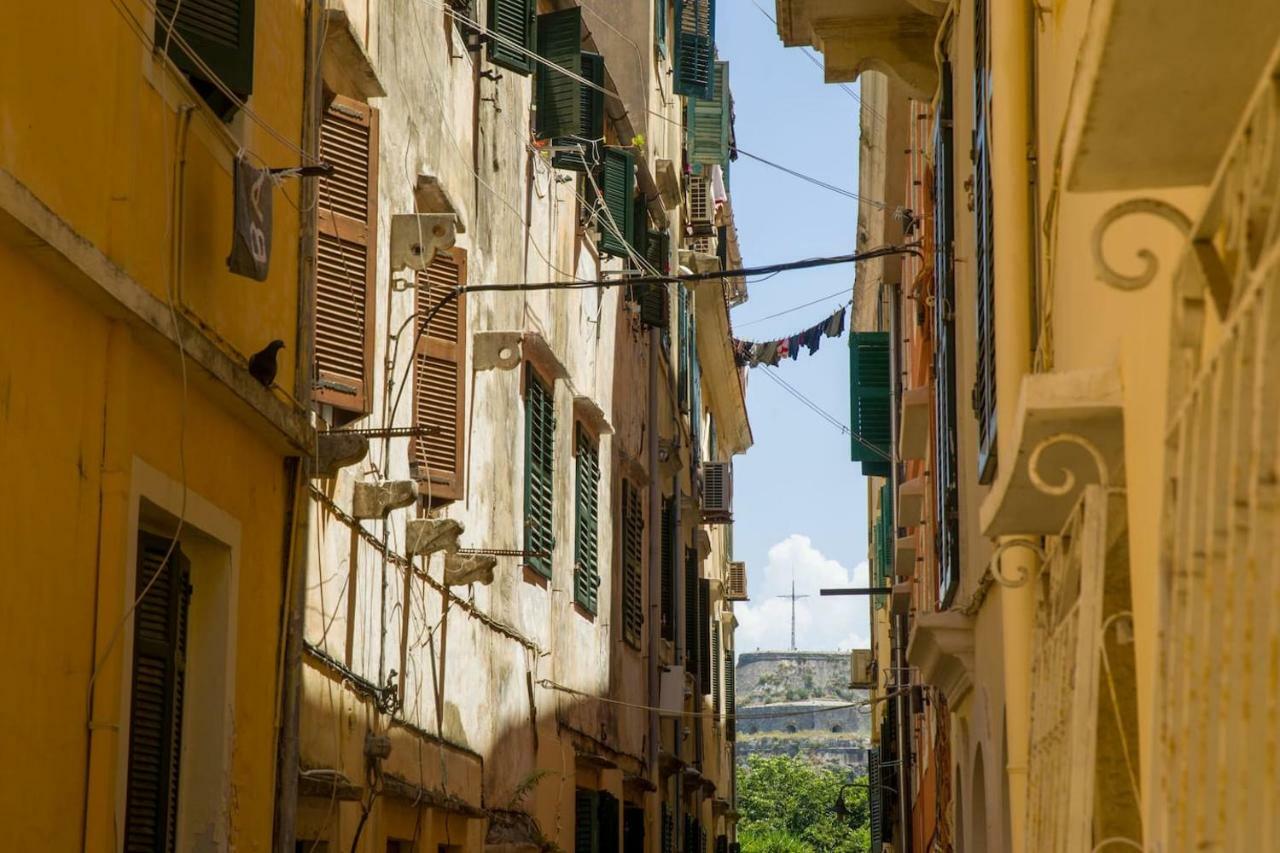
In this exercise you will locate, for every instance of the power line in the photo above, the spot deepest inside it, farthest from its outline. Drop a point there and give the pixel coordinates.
(785, 311)
(815, 181)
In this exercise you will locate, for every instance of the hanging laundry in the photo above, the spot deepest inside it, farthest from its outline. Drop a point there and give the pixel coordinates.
(771, 352)
(784, 349)
(812, 337)
(834, 326)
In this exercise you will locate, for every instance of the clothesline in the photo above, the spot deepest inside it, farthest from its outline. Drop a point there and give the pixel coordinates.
(755, 353)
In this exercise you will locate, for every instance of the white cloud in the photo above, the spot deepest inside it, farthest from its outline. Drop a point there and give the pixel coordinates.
(822, 624)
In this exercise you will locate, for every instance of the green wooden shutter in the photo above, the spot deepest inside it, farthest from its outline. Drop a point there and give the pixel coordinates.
(586, 573)
(607, 822)
(539, 472)
(668, 569)
(559, 96)
(682, 323)
(730, 696)
(156, 696)
(582, 147)
(668, 830)
(618, 184)
(220, 32)
(514, 34)
(660, 25)
(705, 660)
(584, 821)
(984, 385)
(715, 668)
(707, 122)
(691, 608)
(874, 800)
(871, 401)
(632, 530)
(946, 486)
(695, 47)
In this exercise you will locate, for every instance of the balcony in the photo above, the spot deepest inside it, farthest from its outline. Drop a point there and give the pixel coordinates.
(892, 36)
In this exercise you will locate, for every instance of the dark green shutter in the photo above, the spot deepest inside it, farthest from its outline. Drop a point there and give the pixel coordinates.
(582, 146)
(618, 184)
(984, 384)
(633, 829)
(682, 324)
(559, 96)
(691, 608)
(707, 123)
(730, 696)
(695, 47)
(668, 830)
(705, 660)
(156, 696)
(874, 799)
(668, 569)
(586, 573)
(539, 473)
(607, 820)
(946, 486)
(660, 25)
(871, 401)
(220, 33)
(632, 531)
(514, 34)
(584, 821)
(715, 668)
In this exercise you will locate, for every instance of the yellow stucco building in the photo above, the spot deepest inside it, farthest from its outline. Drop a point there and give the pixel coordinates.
(1075, 520)
(151, 519)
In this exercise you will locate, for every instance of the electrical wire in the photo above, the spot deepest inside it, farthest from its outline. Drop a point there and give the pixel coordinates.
(785, 311)
(814, 407)
(818, 182)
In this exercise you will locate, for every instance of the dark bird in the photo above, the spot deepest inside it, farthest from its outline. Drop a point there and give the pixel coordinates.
(262, 364)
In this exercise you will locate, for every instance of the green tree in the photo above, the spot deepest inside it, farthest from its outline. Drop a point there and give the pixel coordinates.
(788, 806)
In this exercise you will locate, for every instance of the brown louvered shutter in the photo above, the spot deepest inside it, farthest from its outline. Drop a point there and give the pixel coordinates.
(155, 704)
(345, 255)
(439, 378)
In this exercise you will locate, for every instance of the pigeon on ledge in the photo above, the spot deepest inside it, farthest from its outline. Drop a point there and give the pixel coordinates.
(262, 364)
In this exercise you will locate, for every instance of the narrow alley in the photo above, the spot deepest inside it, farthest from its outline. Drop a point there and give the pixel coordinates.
(435, 430)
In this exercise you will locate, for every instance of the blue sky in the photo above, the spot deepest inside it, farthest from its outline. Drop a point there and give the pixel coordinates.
(798, 500)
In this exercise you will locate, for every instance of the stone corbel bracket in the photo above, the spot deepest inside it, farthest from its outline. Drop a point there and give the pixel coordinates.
(375, 500)
(425, 536)
(336, 450)
(416, 238)
(507, 350)
(941, 646)
(586, 410)
(465, 569)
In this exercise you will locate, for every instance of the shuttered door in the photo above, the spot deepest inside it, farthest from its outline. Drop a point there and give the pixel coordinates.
(682, 326)
(707, 122)
(155, 712)
(584, 821)
(715, 669)
(219, 32)
(695, 48)
(668, 569)
(691, 608)
(439, 378)
(347, 223)
(514, 34)
(559, 96)
(539, 472)
(874, 800)
(584, 143)
(632, 528)
(586, 574)
(730, 696)
(633, 829)
(607, 822)
(871, 401)
(984, 386)
(706, 661)
(946, 531)
(617, 183)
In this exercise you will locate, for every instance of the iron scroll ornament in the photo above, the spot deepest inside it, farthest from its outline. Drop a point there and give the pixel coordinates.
(1150, 265)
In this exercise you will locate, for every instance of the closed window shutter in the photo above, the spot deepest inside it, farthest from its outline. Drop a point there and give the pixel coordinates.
(584, 143)
(705, 659)
(695, 48)
(156, 698)
(586, 575)
(730, 696)
(682, 324)
(871, 401)
(514, 38)
(618, 185)
(632, 564)
(347, 219)
(607, 820)
(559, 96)
(691, 608)
(220, 33)
(707, 123)
(984, 386)
(874, 799)
(633, 829)
(539, 473)
(668, 569)
(439, 378)
(584, 821)
(668, 830)
(715, 669)
(946, 530)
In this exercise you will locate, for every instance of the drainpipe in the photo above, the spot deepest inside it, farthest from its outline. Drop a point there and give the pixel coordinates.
(655, 556)
(1010, 27)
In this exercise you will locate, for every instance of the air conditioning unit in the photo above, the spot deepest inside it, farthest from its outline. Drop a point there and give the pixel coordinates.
(717, 492)
(861, 669)
(736, 586)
